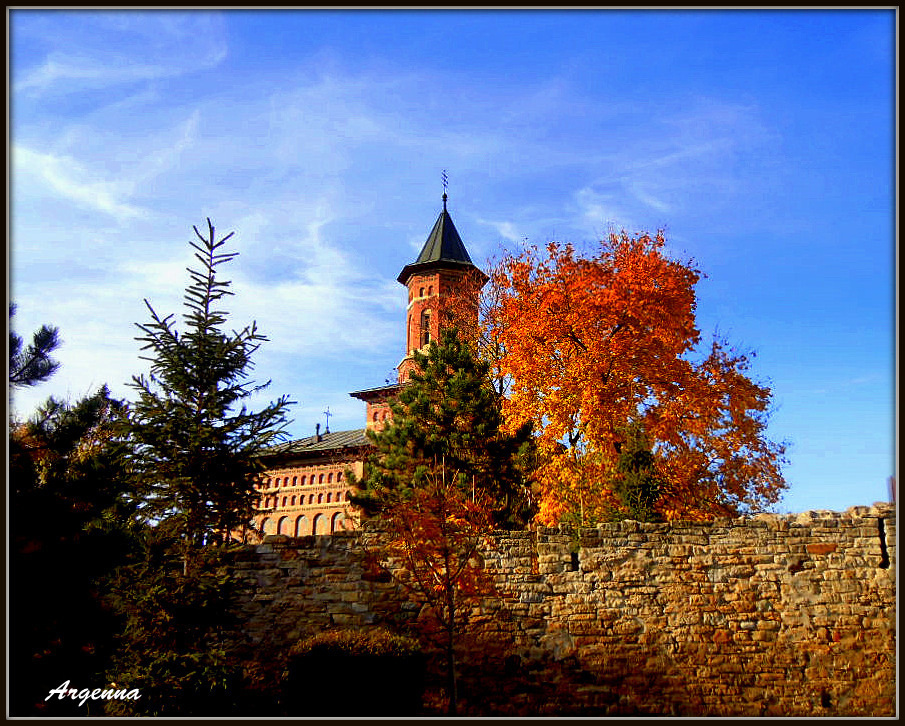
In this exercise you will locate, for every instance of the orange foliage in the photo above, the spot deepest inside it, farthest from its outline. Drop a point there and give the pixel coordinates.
(437, 532)
(466, 307)
(590, 344)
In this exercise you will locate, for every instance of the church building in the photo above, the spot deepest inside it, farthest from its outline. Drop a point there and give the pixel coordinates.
(304, 488)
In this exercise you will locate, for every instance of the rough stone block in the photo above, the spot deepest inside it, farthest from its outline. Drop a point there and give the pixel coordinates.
(821, 548)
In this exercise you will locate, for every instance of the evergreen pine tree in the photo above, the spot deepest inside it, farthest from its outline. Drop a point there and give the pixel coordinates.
(195, 441)
(32, 365)
(174, 645)
(448, 417)
(637, 486)
(68, 531)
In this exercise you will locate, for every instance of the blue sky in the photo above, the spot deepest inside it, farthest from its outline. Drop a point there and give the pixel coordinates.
(763, 142)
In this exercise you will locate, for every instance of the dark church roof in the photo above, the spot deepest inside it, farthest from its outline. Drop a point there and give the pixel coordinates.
(330, 441)
(444, 248)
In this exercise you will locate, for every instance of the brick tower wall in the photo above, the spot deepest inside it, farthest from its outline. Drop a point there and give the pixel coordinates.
(430, 292)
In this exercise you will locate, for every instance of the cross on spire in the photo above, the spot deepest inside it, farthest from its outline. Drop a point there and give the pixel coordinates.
(328, 415)
(445, 185)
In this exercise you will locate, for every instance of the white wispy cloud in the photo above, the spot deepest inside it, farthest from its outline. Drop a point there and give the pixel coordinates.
(699, 159)
(103, 49)
(69, 178)
(505, 229)
(80, 72)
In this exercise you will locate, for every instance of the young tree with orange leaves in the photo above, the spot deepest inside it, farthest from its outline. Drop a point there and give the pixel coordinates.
(435, 531)
(592, 345)
(441, 478)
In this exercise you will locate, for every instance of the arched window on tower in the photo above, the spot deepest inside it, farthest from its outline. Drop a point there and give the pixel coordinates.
(425, 327)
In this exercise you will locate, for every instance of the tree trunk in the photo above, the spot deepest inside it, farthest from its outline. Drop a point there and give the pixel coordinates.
(451, 660)
(450, 635)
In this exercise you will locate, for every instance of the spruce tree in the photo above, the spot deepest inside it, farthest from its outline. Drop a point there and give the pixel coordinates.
(174, 644)
(196, 443)
(448, 418)
(637, 486)
(444, 474)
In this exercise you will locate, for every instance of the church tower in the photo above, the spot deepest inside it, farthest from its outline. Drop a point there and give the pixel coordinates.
(436, 280)
(304, 489)
(439, 279)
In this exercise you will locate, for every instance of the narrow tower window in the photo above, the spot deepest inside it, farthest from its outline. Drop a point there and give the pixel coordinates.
(425, 327)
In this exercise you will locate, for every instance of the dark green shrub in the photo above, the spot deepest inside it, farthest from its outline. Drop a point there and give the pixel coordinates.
(354, 673)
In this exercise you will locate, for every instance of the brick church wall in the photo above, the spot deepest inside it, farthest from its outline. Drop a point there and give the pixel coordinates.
(307, 498)
(775, 615)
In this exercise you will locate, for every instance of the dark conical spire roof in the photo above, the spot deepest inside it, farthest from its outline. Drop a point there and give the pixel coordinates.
(444, 242)
(444, 248)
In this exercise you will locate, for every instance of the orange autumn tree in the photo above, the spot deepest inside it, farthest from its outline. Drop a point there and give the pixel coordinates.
(595, 345)
(466, 307)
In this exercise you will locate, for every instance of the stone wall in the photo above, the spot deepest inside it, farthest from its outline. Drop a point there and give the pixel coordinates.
(790, 615)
